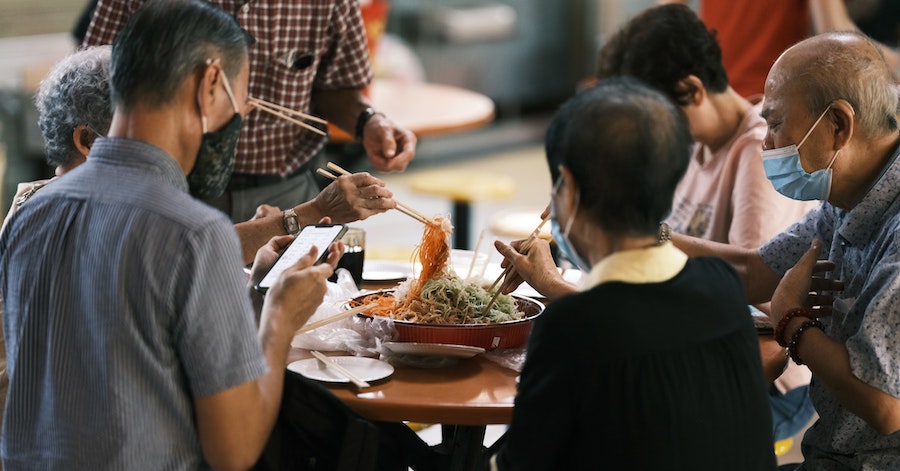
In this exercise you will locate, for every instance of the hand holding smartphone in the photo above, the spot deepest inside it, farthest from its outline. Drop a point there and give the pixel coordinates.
(314, 235)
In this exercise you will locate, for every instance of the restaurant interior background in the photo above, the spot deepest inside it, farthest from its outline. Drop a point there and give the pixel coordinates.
(527, 56)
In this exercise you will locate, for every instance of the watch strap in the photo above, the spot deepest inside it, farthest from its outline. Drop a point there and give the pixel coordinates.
(291, 221)
(361, 120)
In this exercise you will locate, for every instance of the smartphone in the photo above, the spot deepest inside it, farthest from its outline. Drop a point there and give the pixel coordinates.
(314, 235)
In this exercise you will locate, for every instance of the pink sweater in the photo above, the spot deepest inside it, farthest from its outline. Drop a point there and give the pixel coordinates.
(726, 197)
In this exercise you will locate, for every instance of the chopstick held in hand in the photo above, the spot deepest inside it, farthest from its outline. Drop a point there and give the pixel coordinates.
(285, 114)
(526, 246)
(403, 208)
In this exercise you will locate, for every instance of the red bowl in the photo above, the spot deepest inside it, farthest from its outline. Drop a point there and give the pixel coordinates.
(511, 334)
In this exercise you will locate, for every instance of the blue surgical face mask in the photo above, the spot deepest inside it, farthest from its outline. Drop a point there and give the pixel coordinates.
(562, 237)
(783, 169)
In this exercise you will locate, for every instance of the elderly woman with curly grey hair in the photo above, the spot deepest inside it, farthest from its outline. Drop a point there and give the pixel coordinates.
(74, 107)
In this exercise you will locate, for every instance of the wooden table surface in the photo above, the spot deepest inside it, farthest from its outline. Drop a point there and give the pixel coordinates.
(427, 108)
(474, 391)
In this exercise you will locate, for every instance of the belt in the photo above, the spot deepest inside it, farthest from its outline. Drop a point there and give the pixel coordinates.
(243, 181)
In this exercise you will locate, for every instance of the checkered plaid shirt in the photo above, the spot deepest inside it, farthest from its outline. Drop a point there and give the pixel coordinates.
(300, 46)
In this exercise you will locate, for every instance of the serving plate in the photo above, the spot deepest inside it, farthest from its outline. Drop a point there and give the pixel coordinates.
(385, 271)
(511, 334)
(433, 349)
(366, 369)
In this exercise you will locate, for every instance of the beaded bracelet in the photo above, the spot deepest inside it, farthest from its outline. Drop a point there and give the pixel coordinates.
(792, 347)
(782, 323)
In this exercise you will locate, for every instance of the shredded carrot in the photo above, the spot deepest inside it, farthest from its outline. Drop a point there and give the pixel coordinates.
(437, 296)
(434, 253)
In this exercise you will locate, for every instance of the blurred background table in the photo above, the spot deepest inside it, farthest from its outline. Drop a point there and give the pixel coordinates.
(426, 108)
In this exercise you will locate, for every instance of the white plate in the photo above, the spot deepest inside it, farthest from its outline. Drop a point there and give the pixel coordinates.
(433, 349)
(366, 369)
(384, 271)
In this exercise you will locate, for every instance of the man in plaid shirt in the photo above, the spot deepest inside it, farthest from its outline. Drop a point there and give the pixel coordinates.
(308, 56)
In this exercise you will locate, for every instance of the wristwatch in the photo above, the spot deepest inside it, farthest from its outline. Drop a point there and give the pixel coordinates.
(291, 221)
(665, 233)
(361, 121)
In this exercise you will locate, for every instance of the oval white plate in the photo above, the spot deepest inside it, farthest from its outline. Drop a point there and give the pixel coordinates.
(383, 271)
(366, 369)
(433, 349)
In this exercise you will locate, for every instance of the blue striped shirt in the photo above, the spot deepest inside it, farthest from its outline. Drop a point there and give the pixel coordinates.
(123, 300)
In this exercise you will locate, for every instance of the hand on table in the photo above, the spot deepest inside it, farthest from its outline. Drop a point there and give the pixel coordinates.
(354, 197)
(389, 147)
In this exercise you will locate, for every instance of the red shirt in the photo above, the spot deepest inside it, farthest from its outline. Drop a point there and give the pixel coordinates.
(300, 46)
(753, 34)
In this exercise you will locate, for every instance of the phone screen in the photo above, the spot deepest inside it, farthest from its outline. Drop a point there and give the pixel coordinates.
(319, 235)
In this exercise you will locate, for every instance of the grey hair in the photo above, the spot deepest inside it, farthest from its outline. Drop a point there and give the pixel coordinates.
(75, 92)
(858, 76)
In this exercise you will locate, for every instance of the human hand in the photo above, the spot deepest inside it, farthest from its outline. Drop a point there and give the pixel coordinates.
(265, 210)
(299, 290)
(820, 298)
(354, 197)
(536, 268)
(798, 287)
(389, 147)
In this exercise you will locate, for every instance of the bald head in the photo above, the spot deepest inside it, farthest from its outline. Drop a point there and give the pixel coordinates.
(839, 65)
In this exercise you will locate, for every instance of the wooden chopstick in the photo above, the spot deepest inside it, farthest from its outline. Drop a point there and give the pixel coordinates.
(340, 170)
(287, 111)
(340, 369)
(336, 317)
(403, 208)
(326, 173)
(526, 246)
(288, 118)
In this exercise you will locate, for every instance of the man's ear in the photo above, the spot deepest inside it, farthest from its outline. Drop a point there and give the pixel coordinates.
(83, 138)
(568, 188)
(841, 114)
(206, 92)
(691, 90)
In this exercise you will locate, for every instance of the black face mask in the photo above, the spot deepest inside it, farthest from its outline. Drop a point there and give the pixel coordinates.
(215, 161)
(215, 158)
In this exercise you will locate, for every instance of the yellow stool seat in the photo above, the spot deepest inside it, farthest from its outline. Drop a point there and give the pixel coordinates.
(463, 188)
(519, 224)
(783, 446)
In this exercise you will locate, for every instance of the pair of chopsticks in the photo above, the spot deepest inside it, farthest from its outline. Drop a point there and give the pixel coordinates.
(340, 369)
(403, 208)
(526, 246)
(336, 317)
(287, 114)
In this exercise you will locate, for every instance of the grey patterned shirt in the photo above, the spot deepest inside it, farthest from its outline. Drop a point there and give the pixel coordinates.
(123, 300)
(864, 244)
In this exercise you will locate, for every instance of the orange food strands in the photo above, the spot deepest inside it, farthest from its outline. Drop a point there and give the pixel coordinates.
(434, 255)
(434, 252)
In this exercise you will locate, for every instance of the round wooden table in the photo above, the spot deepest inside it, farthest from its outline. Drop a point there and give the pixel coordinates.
(426, 108)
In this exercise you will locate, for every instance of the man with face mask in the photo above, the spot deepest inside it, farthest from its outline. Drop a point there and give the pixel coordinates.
(648, 364)
(131, 337)
(830, 105)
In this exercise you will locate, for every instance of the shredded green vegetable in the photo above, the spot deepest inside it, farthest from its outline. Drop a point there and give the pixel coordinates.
(450, 300)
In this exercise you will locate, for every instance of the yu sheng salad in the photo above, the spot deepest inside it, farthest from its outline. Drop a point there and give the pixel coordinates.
(438, 295)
